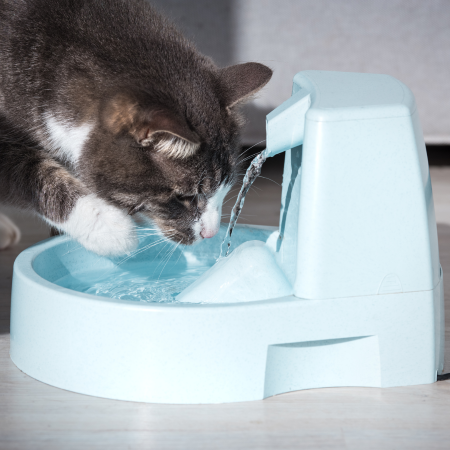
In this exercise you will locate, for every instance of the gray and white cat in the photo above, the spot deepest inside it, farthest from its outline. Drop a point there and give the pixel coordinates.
(107, 111)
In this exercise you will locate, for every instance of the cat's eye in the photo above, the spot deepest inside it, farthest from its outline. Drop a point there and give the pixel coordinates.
(135, 209)
(185, 198)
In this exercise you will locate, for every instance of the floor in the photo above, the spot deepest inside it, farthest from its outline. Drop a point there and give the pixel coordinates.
(36, 416)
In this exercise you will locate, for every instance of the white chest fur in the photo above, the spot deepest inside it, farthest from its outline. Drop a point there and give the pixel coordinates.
(67, 140)
(210, 219)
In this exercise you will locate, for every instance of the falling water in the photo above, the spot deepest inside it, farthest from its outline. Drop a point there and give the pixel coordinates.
(250, 176)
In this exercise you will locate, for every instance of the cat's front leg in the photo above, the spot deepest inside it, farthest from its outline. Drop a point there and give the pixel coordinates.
(31, 179)
(99, 226)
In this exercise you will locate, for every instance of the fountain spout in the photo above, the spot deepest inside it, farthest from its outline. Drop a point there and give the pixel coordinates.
(285, 125)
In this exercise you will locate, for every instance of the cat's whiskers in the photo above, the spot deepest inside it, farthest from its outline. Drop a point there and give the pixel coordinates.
(245, 151)
(231, 198)
(137, 252)
(181, 253)
(146, 247)
(162, 259)
(252, 156)
(168, 259)
(256, 189)
(270, 179)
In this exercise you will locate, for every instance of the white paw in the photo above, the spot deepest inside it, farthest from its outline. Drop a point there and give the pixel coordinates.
(101, 227)
(9, 233)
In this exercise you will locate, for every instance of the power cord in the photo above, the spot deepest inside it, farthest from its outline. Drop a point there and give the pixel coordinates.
(444, 376)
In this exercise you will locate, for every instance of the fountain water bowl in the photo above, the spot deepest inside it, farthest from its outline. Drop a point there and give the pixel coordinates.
(347, 291)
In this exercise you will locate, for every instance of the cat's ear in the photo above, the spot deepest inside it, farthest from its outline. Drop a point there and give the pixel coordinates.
(167, 131)
(150, 124)
(243, 80)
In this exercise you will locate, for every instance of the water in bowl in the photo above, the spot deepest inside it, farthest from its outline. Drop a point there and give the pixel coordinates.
(142, 281)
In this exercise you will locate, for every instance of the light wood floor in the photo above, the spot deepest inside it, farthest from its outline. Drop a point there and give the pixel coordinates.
(37, 416)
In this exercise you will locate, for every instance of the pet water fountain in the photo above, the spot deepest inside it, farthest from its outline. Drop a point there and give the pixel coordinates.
(348, 290)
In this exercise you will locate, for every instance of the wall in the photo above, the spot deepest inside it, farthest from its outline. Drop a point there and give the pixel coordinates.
(409, 39)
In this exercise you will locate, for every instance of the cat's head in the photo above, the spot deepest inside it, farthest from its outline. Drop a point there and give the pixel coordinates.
(173, 156)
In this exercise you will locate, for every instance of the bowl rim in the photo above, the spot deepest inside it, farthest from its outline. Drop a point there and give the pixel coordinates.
(23, 266)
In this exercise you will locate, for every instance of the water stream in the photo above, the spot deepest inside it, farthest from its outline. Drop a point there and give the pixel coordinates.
(252, 173)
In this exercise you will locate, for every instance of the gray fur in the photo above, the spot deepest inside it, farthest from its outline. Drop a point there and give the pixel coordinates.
(120, 67)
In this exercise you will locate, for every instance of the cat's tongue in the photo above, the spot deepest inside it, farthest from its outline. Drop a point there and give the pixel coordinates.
(250, 273)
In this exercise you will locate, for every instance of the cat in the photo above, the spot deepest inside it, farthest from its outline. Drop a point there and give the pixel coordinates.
(108, 114)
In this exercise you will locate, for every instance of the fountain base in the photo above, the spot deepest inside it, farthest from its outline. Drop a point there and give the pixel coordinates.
(206, 353)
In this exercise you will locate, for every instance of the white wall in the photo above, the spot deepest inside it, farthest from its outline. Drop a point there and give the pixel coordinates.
(409, 39)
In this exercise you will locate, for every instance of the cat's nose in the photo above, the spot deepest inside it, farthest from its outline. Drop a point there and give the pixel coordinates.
(208, 232)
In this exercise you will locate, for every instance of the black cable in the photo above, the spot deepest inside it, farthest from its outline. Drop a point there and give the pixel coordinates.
(444, 376)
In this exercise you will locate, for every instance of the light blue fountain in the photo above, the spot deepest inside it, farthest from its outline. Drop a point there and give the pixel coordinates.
(348, 291)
